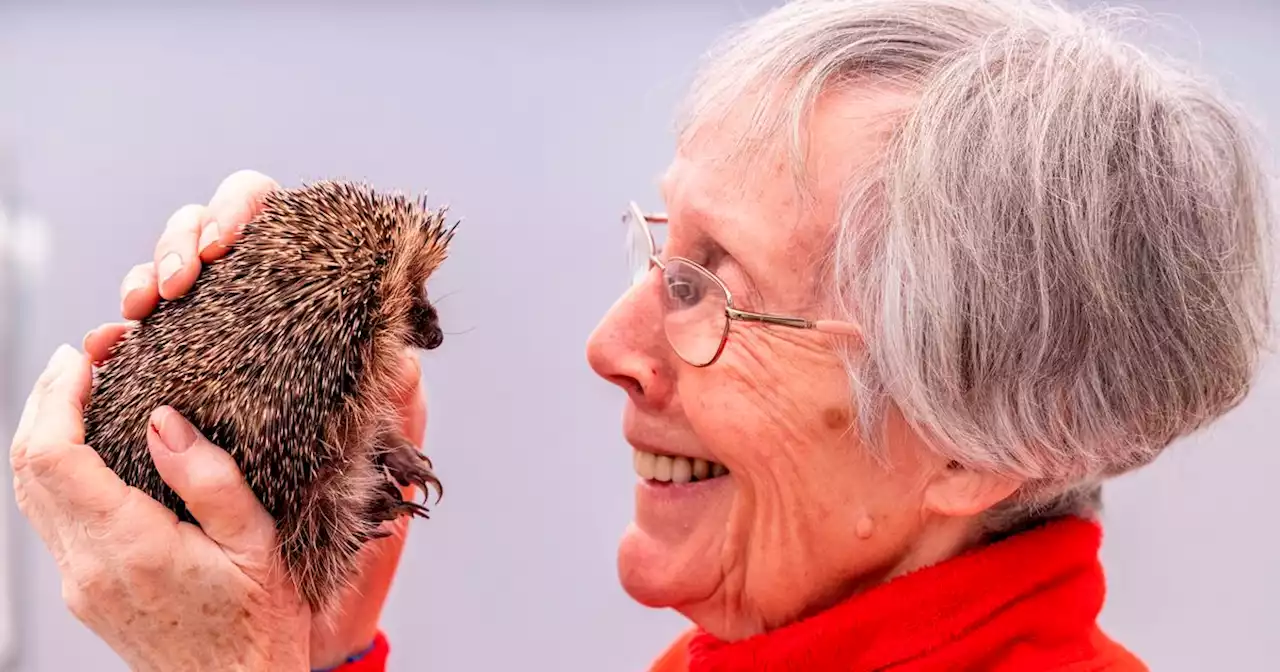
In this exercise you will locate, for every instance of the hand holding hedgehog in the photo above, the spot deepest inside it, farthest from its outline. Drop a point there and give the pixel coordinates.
(164, 595)
(355, 621)
(286, 353)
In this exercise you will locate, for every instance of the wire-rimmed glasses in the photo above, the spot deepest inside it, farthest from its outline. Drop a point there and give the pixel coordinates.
(697, 306)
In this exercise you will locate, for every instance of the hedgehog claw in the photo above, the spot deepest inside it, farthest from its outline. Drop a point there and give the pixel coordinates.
(409, 467)
(389, 503)
(412, 509)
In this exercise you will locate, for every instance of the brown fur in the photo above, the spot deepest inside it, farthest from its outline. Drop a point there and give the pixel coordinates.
(286, 353)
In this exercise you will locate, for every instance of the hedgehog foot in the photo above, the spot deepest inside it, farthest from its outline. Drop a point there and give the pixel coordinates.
(388, 504)
(403, 464)
(408, 467)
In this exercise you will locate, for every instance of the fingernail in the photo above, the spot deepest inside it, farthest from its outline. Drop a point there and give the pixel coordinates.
(131, 284)
(209, 235)
(84, 342)
(177, 434)
(169, 266)
(62, 355)
(62, 360)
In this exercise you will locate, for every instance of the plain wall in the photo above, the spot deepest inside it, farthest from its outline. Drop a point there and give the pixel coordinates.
(537, 122)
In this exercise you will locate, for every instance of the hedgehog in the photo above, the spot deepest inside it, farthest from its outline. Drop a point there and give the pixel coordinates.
(285, 354)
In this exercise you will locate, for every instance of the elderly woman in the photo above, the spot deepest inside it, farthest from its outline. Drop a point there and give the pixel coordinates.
(933, 270)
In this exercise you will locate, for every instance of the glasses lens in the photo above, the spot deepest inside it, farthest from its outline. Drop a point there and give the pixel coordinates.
(639, 248)
(694, 318)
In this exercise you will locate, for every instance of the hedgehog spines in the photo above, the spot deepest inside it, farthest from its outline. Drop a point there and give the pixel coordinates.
(285, 353)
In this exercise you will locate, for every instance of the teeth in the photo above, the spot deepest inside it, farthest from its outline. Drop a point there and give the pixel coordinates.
(662, 472)
(679, 470)
(644, 464)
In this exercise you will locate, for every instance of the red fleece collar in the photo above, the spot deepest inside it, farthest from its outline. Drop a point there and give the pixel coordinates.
(1038, 591)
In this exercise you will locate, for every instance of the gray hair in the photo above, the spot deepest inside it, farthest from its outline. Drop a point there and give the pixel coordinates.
(1059, 257)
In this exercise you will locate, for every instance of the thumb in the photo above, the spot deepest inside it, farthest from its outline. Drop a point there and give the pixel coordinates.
(211, 485)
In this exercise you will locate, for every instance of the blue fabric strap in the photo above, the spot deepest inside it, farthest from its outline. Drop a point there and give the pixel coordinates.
(350, 659)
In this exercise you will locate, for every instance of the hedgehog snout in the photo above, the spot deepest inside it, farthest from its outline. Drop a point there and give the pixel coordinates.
(427, 333)
(434, 337)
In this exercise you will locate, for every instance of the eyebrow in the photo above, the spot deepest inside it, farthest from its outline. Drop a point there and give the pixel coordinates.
(701, 217)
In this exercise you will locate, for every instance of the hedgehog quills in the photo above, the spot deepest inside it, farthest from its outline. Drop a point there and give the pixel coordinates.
(287, 353)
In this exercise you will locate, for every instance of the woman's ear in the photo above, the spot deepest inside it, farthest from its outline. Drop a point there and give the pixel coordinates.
(959, 491)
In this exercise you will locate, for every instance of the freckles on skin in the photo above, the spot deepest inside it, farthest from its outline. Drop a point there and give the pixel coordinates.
(836, 418)
(780, 374)
(782, 514)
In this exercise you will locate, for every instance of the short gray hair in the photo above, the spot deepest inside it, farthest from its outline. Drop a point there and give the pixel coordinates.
(1059, 259)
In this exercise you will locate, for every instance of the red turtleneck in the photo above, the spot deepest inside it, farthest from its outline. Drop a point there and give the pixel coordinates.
(1028, 603)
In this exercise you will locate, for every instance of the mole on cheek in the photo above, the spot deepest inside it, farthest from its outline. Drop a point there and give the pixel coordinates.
(836, 418)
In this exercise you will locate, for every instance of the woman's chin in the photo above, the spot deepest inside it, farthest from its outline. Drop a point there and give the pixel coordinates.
(659, 574)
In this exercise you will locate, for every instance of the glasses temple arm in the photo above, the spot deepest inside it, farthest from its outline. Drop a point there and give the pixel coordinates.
(837, 327)
(824, 326)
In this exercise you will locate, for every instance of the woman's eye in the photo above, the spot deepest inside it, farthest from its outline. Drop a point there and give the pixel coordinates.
(683, 292)
(685, 286)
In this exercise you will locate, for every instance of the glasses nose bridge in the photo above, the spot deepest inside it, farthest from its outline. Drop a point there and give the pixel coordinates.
(643, 222)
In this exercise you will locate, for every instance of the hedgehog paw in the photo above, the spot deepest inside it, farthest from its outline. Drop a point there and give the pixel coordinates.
(407, 466)
(386, 505)
(402, 464)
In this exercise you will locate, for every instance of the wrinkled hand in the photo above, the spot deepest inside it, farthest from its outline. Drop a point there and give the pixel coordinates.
(164, 594)
(197, 234)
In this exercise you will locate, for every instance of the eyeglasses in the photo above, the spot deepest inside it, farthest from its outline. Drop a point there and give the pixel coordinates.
(697, 307)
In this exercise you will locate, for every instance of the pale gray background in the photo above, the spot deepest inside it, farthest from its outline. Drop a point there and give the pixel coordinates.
(537, 121)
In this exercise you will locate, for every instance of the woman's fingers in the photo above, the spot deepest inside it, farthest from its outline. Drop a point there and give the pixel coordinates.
(411, 405)
(48, 449)
(177, 263)
(194, 234)
(211, 485)
(58, 377)
(412, 401)
(60, 411)
(27, 420)
(139, 293)
(237, 201)
(99, 342)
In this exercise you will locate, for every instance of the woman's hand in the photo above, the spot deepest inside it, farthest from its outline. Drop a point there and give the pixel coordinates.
(164, 594)
(196, 234)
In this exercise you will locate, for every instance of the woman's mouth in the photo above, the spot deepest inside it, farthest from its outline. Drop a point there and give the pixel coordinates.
(674, 469)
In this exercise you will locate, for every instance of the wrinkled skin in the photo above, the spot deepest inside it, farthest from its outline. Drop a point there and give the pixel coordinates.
(167, 595)
(805, 517)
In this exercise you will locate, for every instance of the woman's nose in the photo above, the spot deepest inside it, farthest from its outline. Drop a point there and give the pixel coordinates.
(628, 348)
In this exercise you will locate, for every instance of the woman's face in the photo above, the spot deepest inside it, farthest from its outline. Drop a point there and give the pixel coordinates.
(803, 515)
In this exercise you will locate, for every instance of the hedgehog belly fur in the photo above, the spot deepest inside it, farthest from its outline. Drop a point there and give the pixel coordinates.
(284, 354)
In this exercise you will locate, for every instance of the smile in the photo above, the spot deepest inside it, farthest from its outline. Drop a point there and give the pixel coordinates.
(675, 469)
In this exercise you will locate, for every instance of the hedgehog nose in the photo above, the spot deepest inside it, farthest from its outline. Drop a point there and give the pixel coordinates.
(434, 338)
